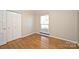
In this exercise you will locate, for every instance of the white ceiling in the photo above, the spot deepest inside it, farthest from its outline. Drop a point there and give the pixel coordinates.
(35, 11)
(18, 11)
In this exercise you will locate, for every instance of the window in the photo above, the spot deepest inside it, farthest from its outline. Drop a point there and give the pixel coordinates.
(44, 23)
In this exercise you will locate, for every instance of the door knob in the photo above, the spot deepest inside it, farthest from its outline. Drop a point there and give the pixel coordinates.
(4, 28)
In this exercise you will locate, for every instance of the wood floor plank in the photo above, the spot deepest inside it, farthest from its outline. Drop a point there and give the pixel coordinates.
(36, 41)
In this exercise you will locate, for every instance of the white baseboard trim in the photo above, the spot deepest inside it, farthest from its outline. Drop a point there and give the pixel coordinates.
(27, 35)
(3, 43)
(64, 39)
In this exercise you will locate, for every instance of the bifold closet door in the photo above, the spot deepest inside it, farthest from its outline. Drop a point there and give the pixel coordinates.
(16, 25)
(13, 26)
(2, 27)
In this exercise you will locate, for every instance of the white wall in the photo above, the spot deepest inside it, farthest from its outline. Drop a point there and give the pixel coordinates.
(27, 23)
(63, 24)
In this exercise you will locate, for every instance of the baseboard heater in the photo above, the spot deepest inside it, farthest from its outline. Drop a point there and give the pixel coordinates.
(45, 33)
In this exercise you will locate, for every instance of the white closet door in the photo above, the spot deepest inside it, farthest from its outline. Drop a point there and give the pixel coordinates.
(2, 27)
(16, 25)
(13, 26)
(9, 26)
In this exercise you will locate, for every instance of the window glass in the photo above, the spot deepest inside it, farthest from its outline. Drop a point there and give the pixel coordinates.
(45, 19)
(44, 26)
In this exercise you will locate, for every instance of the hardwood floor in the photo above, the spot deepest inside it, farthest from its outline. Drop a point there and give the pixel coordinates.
(36, 41)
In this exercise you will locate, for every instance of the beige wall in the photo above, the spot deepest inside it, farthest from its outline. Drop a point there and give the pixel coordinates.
(37, 24)
(27, 23)
(78, 27)
(63, 24)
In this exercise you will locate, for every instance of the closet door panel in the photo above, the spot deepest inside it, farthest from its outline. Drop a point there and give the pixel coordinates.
(9, 26)
(17, 25)
(14, 25)
(1, 32)
(2, 27)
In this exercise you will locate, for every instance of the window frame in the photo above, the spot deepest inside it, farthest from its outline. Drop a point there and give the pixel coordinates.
(45, 24)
